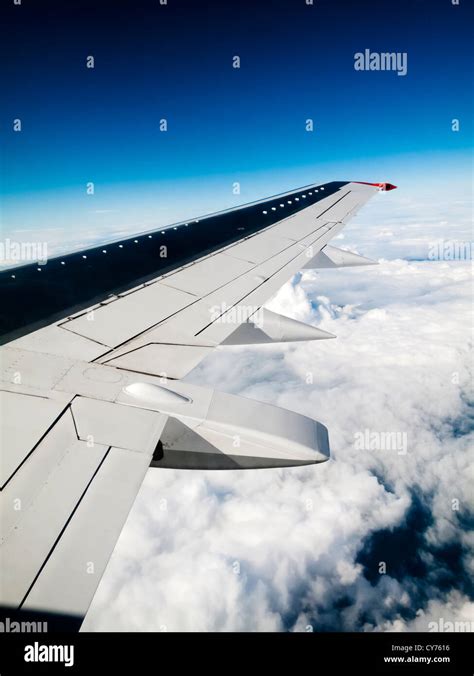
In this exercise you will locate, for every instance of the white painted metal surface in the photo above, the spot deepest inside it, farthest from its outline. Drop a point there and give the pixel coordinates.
(167, 361)
(116, 322)
(332, 257)
(25, 419)
(235, 426)
(68, 581)
(104, 422)
(207, 275)
(25, 548)
(265, 326)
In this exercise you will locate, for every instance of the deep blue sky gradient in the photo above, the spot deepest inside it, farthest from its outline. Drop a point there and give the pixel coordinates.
(175, 61)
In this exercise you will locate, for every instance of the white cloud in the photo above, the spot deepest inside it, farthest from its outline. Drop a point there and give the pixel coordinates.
(456, 613)
(278, 549)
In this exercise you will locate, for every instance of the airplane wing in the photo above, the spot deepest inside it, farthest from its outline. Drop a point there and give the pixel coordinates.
(95, 345)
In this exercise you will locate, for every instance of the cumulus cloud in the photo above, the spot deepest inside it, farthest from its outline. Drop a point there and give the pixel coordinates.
(377, 538)
(455, 613)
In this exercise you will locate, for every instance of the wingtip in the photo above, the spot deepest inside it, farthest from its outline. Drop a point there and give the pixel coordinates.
(383, 186)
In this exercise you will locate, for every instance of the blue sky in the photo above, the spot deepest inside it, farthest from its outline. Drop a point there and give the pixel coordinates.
(224, 124)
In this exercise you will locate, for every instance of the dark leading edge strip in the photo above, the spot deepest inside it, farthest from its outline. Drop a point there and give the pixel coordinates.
(34, 296)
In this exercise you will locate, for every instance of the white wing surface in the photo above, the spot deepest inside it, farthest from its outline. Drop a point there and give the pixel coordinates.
(95, 345)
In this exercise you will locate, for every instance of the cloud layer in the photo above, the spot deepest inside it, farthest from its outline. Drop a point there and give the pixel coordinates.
(377, 538)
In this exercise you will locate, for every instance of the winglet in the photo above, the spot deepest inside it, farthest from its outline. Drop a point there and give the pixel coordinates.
(382, 186)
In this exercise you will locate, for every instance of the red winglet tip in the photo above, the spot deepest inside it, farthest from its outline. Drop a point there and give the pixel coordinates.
(382, 186)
